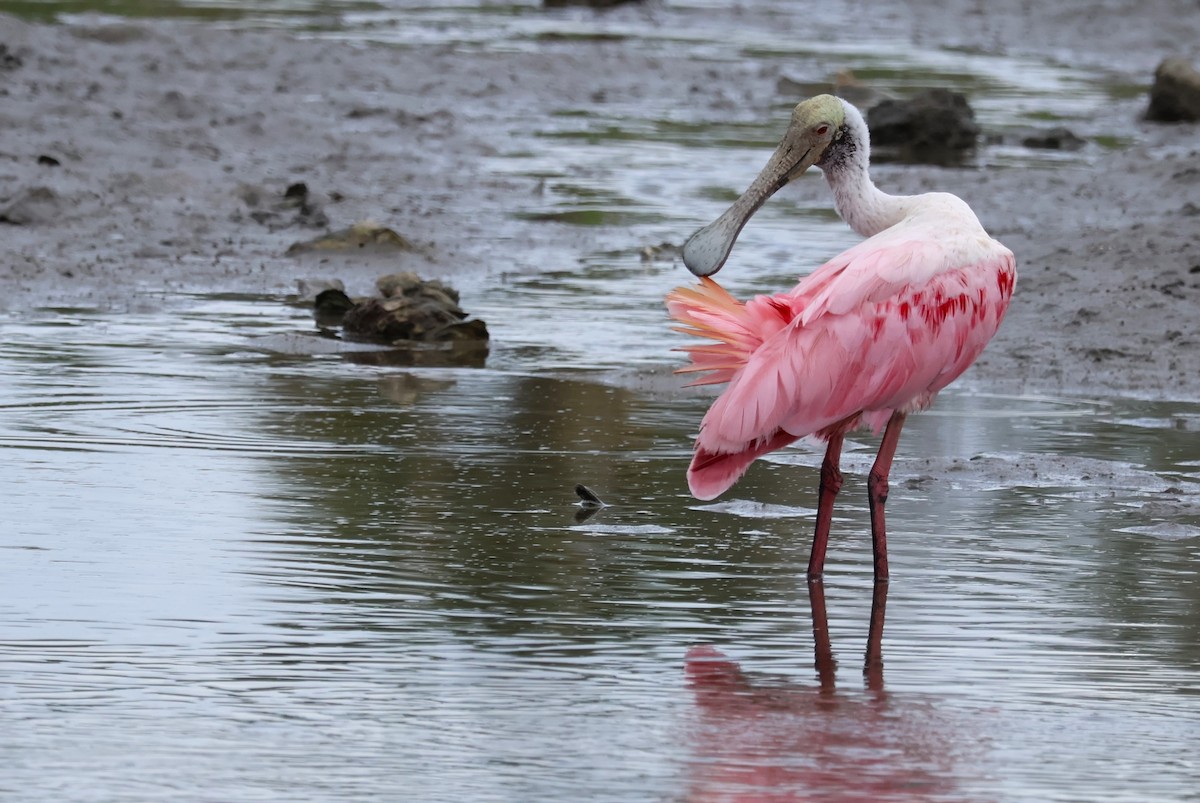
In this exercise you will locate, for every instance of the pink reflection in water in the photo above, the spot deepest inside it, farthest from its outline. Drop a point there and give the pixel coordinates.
(770, 740)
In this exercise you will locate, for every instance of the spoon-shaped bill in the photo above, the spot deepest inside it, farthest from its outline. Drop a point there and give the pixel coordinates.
(706, 251)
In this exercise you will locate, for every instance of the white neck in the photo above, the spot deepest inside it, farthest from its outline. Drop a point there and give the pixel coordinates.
(866, 208)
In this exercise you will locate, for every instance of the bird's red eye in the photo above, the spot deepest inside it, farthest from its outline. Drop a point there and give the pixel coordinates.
(822, 130)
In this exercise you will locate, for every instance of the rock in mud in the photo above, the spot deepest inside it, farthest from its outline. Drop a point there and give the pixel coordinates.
(296, 206)
(330, 307)
(935, 127)
(409, 310)
(31, 207)
(1058, 138)
(1175, 95)
(364, 236)
(9, 60)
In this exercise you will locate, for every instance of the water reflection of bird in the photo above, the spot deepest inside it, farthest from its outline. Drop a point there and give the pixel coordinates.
(760, 739)
(870, 336)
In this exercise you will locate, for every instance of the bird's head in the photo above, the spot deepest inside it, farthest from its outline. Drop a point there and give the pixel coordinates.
(815, 123)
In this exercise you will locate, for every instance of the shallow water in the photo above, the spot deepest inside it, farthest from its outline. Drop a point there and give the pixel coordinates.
(240, 564)
(232, 573)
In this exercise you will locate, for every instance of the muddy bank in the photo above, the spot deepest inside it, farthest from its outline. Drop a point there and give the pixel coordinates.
(143, 157)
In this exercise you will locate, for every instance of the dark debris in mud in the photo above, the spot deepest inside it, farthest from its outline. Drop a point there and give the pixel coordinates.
(1058, 138)
(361, 237)
(9, 60)
(30, 207)
(408, 310)
(295, 206)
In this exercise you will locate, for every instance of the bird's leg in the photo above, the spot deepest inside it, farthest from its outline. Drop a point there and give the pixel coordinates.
(877, 492)
(831, 483)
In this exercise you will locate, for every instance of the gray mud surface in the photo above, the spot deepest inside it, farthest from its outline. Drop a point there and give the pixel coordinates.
(169, 147)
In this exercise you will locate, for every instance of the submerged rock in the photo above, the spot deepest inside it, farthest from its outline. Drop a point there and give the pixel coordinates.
(1175, 95)
(934, 127)
(389, 320)
(409, 310)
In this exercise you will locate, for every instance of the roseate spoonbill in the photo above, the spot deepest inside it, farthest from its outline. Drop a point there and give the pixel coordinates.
(867, 338)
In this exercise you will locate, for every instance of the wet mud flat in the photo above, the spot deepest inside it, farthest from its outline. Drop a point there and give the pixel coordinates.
(141, 156)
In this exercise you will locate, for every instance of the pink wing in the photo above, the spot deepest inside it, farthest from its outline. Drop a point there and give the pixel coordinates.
(883, 326)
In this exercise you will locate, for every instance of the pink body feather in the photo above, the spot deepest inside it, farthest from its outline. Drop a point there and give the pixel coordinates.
(882, 327)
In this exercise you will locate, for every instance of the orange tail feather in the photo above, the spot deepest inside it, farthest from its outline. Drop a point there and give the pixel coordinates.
(708, 311)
